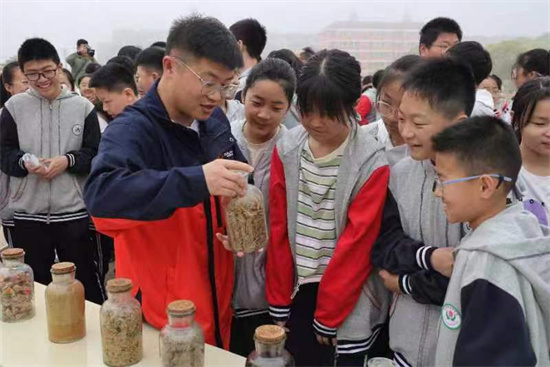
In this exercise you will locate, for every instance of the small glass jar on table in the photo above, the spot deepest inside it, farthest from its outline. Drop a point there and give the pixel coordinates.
(182, 339)
(17, 286)
(246, 220)
(121, 325)
(270, 348)
(65, 305)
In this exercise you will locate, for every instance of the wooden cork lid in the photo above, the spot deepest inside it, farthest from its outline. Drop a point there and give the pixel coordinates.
(270, 334)
(119, 285)
(63, 268)
(13, 253)
(181, 307)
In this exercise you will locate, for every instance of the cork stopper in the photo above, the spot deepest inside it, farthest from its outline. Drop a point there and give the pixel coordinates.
(119, 285)
(270, 334)
(63, 268)
(181, 308)
(13, 253)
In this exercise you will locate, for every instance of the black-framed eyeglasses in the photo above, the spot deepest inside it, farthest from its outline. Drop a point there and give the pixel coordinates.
(48, 74)
(208, 88)
(385, 109)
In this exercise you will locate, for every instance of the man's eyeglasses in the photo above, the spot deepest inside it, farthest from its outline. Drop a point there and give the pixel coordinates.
(48, 74)
(208, 88)
(385, 109)
(438, 184)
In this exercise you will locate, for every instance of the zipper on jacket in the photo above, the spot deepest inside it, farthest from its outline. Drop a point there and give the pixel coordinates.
(218, 211)
(50, 153)
(212, 271)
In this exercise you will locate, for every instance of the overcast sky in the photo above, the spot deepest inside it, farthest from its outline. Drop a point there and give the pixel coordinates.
(63, 22)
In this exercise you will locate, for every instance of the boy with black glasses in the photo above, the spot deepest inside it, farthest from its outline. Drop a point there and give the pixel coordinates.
(61, 130)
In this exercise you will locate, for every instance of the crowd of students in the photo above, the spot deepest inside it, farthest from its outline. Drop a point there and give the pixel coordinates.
(407, 212)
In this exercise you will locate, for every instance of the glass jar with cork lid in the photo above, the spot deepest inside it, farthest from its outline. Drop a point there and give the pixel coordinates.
(246, 220)
(182, 339)
(121, 325)
(270, 348)
(17, 286)
(65, 305)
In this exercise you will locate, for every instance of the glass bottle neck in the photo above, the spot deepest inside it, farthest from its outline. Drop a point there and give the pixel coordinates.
(63, 278)
(181, 321)
(13, 263)
(269, 350)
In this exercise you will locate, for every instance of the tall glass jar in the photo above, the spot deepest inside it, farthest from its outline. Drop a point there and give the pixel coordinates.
(270, 348)
(246, 220)
(182, 339)
(121, 325)
(17, 285)
(65, 305)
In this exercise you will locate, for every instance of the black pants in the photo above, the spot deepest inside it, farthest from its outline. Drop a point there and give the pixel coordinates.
(242, 332)
(106, 248)
(8, 235)
(71, 241)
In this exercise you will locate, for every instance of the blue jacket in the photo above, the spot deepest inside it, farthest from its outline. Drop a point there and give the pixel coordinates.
(147, 190)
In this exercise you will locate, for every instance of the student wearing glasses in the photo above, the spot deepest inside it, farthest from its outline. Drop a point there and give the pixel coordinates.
(61, 129)
(389, 94)
(156, 183)
(437, 36)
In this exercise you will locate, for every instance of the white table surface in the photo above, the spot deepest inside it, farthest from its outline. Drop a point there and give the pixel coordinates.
(26, 343)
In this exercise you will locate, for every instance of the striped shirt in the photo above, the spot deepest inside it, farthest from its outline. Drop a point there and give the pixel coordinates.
(316, 226)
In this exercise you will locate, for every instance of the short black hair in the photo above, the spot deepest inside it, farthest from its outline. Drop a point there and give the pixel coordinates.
(69, 76)
(129, 51)
(160, 44)
(36, 49)
(81, 42)
(497, 80)
(92, 67)
(151, 58)
(432, 30)
(124, 61)
(475, 56)
(398, 70)
(482, 145)
(204, 37)
(377, 77)
(252, 34)
(288, 56)
(114, 78)
(525, 102)
(447, 85)
(7, 78)
(307, 53)
(330, 85)
(276, 70)
(537, 60)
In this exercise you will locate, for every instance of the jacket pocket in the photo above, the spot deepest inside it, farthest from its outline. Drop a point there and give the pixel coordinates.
(20, 189)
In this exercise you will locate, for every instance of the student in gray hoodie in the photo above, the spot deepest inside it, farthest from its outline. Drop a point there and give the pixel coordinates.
(267, 97)
(497, 308)
(61, 129)
(437, 94)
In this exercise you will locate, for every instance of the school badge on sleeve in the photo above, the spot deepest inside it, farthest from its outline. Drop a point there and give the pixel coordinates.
(451, 317)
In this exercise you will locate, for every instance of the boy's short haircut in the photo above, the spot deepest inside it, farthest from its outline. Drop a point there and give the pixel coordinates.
(151, 58)
(398, 70)
(114, 78)
(306, 53)
(81, 42)
(482, 145)
(129, 51)
(35, 49)
(204, 37)
(447, 85)
(288, 56)
(123, 61)
(252, 34)
(330, 85)
(474, 55)
(432, 30)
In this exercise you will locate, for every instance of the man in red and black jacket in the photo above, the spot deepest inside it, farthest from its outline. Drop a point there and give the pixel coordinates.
(161, 167)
